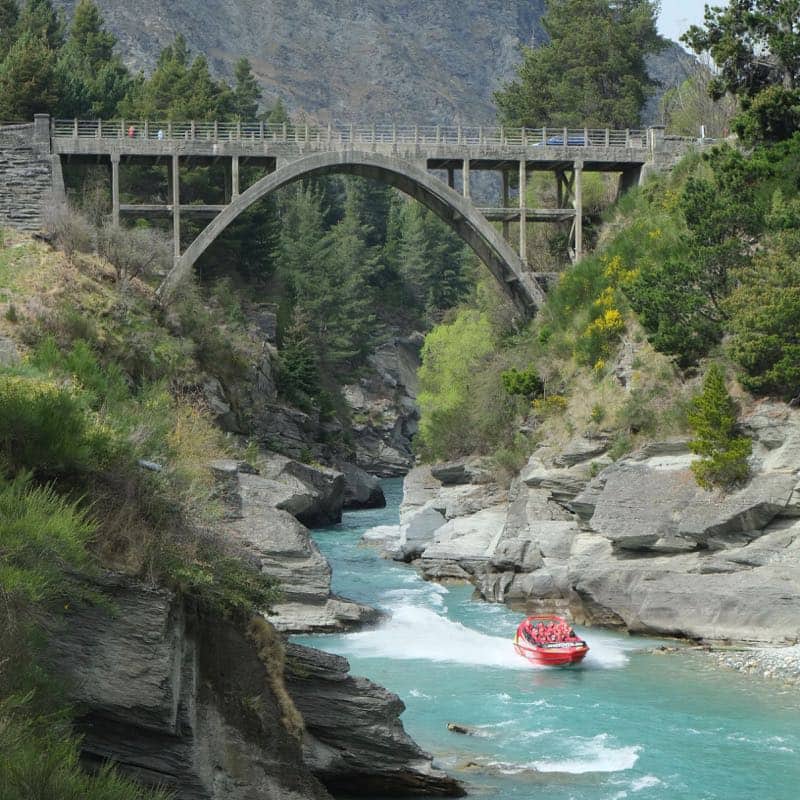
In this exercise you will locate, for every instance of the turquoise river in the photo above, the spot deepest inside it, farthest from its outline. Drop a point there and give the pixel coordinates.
(628, 723)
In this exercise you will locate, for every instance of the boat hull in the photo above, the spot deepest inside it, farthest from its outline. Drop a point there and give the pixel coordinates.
(553, 656)
(553, 652)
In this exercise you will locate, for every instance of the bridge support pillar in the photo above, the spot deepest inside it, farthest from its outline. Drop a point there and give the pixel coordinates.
(465, 173)
(175, 196)
(506, 224)
(115, 189)
(578, 173)
(234, 176)
(451, 177)
(523, 216)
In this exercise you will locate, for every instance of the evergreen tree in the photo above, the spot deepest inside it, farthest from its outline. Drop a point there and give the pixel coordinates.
(713, 420)
(756, 47)
(9, 16)
(298, 370)
(433, 262)
(40, 19)
(179, 89)
(414, 255)
(97, 79)
(351, 318)
(246, 92)
(278, 114)
(592, 71)
(29, 81)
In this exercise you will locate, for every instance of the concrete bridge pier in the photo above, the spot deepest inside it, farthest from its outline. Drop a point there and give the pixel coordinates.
(115, 189)
(506, 223)
(523, 211)
(175, 200)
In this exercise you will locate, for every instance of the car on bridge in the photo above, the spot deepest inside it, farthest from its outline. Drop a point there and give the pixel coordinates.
(573, 140)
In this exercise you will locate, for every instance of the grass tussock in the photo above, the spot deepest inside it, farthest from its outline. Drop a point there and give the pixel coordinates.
(272, 654)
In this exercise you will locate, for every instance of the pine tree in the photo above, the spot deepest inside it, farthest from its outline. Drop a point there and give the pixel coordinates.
(278, 115)
(88, 38)
(713, 419)
(351, 319)
(95, 76)
(9, 16)
(298, 373)
(414, 263)
(29, 81)
(246, 92)
(40, 19)
(592, 71)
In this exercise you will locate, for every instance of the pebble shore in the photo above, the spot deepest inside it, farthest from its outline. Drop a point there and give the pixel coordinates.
(781, 663)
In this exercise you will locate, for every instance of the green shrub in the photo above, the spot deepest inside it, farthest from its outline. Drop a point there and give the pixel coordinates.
(45, 429)
(713, 422)
(226, 585)
(42, 536)
(41, 760)
(525, 383)
(765, 321)
(452, 359)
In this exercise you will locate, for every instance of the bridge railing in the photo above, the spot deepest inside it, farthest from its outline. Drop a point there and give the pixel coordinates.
(343, 136)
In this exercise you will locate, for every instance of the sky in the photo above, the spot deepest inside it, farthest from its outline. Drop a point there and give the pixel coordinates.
(677, 15)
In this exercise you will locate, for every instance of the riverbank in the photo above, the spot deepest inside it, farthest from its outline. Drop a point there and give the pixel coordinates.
(621, 723)
(632, 544)
(773, 663)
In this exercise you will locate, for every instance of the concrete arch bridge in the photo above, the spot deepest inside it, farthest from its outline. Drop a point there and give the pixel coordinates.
(433, 164)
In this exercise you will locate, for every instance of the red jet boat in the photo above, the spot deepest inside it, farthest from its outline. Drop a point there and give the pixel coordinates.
(549, 640)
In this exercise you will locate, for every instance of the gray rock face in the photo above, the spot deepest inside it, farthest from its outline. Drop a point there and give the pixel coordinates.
(384, 414)
(178, 698)
(313, 494)
(261, 530)
(355, 741)
(650, 509)
(640, 545)
(361, 490)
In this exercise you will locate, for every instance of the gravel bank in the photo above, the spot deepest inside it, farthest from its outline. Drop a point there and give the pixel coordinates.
(781, 663)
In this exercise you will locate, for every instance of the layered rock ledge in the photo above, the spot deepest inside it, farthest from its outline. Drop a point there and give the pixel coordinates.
(355, 742)
(634, 543)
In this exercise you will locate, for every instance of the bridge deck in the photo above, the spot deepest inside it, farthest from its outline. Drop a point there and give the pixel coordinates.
(439, 147)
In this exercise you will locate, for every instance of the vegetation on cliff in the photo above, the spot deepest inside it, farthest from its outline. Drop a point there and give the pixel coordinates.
(702, 264)
(104, 446)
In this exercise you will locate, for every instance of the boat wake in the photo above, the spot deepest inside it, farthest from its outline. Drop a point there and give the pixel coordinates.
(418, 633)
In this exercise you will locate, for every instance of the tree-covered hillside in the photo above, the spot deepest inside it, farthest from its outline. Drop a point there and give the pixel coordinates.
(697, 267)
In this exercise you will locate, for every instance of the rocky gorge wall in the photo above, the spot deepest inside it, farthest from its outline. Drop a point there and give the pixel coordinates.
(213, 707)
(634, 544)
(380, 404)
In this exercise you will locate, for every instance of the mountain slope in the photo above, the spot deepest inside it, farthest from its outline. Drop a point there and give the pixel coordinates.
(349, 60)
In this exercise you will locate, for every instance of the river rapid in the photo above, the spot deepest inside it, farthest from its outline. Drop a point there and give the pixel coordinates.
(626, 723)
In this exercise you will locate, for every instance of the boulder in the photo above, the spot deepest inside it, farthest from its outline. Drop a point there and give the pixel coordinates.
(562, 484)
(467, 539)
(581, 449)
(455, 473)
(276, 543)
(678, 598)
(361, 490)
(312, 493)
(355, 741)
(419, 489)
(769, 424)
(648, 507)
(416, 531)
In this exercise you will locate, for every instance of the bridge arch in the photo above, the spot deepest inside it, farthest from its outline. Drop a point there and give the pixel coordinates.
(457, 211)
